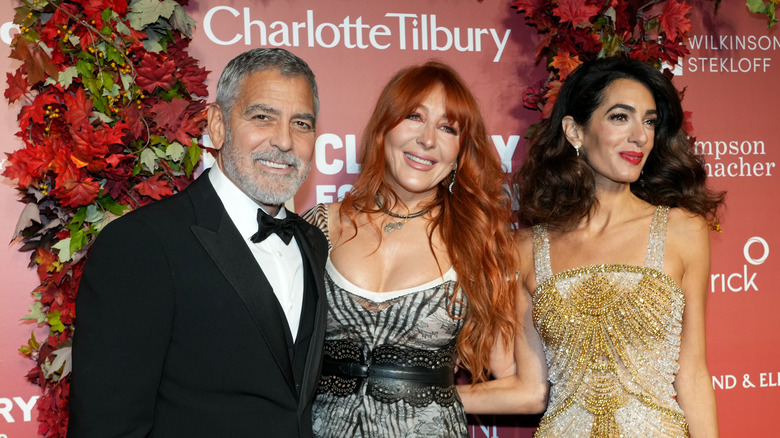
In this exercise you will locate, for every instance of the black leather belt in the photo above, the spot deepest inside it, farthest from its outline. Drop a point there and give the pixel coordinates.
(443, 376)
(389, 373)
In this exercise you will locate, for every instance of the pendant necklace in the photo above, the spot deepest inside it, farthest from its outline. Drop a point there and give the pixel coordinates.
(392, 226)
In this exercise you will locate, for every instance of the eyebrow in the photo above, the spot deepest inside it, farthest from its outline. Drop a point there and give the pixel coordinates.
(629, 108)
(260, 107)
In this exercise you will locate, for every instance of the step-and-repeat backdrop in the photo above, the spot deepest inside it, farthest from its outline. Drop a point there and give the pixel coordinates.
(731, 87)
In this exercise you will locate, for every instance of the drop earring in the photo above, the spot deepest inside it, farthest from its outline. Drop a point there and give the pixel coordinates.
(452, 181)
(577, 150)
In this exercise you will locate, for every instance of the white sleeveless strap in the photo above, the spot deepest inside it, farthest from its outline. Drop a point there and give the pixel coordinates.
(656, 244)
(541, 248)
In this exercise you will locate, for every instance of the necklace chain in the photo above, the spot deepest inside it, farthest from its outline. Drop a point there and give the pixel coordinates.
(392, 226)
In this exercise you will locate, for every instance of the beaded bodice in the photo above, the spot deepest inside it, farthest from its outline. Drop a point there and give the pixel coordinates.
(612, 340)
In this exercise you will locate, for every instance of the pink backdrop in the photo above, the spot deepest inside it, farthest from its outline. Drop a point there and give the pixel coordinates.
(731, 82)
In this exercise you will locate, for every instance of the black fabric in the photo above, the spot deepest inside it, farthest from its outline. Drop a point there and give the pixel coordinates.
(267, 225)
(179, 332)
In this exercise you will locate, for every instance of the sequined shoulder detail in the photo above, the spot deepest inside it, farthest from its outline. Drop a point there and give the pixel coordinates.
(541, 248)
(656, 244)
(318, 216)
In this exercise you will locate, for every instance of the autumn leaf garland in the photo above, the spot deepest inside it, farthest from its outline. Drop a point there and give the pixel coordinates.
(576, 31)
(112, 108)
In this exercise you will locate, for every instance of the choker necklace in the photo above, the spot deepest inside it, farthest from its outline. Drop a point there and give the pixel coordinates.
(392, 226)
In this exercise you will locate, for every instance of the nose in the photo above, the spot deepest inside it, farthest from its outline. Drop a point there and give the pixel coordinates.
(639, 134)
(427, 137)
(281, 138)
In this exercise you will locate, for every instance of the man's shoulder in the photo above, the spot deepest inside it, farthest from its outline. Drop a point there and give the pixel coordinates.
(174, 211)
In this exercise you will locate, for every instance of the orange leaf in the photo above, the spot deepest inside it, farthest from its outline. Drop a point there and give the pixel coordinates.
(565, 63)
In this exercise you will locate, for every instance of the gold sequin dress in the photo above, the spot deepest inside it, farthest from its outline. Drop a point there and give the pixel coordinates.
(612, 340)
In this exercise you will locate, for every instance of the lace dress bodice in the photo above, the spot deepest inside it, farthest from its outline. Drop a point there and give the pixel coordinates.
(415, 328)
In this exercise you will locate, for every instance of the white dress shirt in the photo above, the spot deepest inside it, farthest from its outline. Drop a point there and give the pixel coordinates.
(282, 264)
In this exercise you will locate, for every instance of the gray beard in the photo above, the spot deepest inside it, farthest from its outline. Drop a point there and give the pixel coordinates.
(278, 188)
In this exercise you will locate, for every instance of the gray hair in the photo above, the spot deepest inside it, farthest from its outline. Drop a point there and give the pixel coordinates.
(256, 60)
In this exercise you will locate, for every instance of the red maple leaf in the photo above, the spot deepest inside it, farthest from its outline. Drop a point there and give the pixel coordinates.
(17, 86)
(187, 69)
(170, 114)
(152, 74)
(576, 11)
(530, 7)
(78, 191)
(687, 124)
(673, 19)
(36, 111)
(79, 107)
(95, 7)
(565, 63)
(46, 263)
(154, 188)
(36, 60)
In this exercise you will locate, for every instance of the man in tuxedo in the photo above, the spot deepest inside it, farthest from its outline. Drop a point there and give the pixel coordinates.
(203, 315)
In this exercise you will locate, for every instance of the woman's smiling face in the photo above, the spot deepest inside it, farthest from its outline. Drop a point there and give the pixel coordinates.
(619, 136)
(423, 148)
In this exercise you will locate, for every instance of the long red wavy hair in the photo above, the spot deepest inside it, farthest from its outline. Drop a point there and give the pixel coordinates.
(478, 207)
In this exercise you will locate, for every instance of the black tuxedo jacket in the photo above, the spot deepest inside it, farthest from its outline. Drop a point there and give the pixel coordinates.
(179, 333)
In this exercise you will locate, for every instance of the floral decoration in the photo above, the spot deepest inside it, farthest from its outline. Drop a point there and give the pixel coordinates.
(576, 31)
(112, 108)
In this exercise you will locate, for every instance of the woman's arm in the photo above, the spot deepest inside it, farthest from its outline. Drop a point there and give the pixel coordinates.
(689, 240)
(521, 385)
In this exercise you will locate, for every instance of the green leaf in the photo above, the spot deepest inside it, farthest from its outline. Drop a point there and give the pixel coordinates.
(36, 313)
(112, 54)
(63, 250)
(108, 81)
(77, 241)
(66, 76)
(193, 157)
(94, 214)
(145, 12)
(175, 151)
(62, 364)
(122, 27)
(111, 205)
(84, 68)
(74, 40)
(182, 22)
(127, 81)
(154, 39)
(160, 152)
(97, 115)
(757, 6)
(157, 140)
(54, 321)
(79, 217)
(149, 159)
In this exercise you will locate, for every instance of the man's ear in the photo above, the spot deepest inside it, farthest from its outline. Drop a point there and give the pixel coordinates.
(216, 126)
(572, 130)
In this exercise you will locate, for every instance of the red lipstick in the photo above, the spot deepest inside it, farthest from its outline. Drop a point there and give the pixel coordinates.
(632, 157)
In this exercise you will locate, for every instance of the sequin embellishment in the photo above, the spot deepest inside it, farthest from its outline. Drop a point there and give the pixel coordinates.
(612, 340)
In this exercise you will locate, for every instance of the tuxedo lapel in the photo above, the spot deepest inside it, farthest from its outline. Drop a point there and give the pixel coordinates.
(220, 238)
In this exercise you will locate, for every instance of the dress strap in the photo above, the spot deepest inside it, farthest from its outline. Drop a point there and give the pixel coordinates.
(318, 216)
(541, 248)
(656, 244)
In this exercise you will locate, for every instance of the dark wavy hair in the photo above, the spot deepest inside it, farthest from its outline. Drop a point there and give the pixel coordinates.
(474, 220)
(555, 187)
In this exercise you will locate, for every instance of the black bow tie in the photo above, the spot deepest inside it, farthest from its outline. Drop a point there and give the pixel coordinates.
(268, 225)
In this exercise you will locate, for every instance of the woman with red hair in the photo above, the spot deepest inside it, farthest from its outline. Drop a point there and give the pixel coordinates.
(421, 274)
